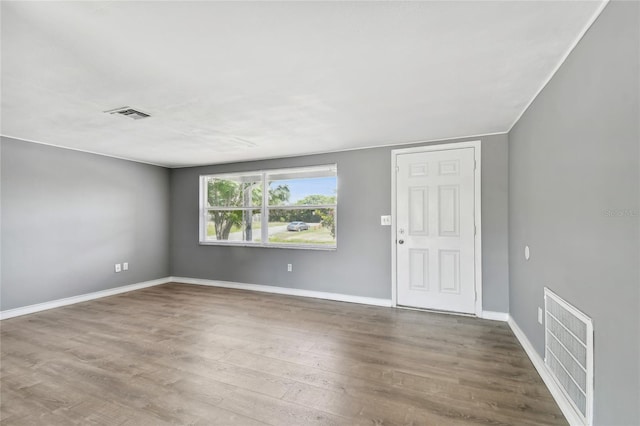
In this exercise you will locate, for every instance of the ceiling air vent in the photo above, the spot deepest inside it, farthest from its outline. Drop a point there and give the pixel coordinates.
(129, 112)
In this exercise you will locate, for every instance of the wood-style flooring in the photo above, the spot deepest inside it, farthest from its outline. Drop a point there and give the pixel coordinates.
(193, 355)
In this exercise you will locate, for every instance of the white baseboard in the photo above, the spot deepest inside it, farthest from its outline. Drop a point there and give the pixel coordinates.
(10, 313)
(287, 291)
(495, 316)
(547, 378)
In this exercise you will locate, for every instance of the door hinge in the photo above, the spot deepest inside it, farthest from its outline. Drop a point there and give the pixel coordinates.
(475, 230)
(475, 164)
(397, 169)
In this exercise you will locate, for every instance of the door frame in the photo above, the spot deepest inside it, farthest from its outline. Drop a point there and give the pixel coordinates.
(447, 146)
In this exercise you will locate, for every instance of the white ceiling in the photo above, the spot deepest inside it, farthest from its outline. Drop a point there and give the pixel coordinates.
(235, 81)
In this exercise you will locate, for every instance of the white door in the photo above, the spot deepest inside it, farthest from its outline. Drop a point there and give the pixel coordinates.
(435, 230)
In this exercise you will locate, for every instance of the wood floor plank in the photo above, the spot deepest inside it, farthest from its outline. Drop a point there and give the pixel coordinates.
(185, 354)
(441, 397)
(276, 411)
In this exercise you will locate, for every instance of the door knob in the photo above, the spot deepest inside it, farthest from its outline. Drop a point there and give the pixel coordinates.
(400, 241)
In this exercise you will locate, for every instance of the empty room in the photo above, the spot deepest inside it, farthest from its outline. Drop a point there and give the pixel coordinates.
(320, 213)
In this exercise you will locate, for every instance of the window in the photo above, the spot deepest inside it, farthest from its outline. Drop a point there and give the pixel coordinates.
(293, 208)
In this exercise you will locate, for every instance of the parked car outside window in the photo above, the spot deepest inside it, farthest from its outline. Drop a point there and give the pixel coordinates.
(297, 226)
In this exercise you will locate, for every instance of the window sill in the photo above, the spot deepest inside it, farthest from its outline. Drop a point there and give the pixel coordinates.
(276, 246)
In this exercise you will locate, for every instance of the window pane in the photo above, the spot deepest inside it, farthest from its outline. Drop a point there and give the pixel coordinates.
(302, 226)
(303, 191)
(234, 191)
(233, 225)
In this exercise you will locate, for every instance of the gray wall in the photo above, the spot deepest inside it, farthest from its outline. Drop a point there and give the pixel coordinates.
(573, 158)
(68, 217)
(362, 264)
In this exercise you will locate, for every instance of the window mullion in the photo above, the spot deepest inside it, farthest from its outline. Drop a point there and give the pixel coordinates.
(264, 211)
(204, 195)
(230, 209)
(305, 207)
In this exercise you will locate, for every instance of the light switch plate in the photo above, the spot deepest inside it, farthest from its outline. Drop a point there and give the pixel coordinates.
(385, 220)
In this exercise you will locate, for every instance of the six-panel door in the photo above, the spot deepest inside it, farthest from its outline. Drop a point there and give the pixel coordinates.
(435, 228)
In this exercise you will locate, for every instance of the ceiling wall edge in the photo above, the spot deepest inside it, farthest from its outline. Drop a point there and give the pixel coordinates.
(562, 61)
(83, 150)
(260, 158)
(418, 142)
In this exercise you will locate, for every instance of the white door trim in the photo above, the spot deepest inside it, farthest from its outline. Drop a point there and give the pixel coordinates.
(477, 213)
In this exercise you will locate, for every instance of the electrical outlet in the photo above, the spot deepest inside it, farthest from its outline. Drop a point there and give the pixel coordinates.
(125, 266)
(118, 267)
(385, 220)
(289, 267)
(539, 315)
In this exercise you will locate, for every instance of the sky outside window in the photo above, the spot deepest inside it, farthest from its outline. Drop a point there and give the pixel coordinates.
(300, 188)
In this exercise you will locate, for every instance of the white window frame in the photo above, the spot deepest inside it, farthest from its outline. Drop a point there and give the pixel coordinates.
(264, 208)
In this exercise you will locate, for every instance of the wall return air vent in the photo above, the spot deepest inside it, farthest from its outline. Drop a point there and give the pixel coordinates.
(129, 112)
(569, 353)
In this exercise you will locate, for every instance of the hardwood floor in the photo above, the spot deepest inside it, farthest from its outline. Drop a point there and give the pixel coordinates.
(184, 354)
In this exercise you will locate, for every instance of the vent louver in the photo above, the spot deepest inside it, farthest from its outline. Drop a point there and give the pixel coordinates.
(129, 112)
(569, 352)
